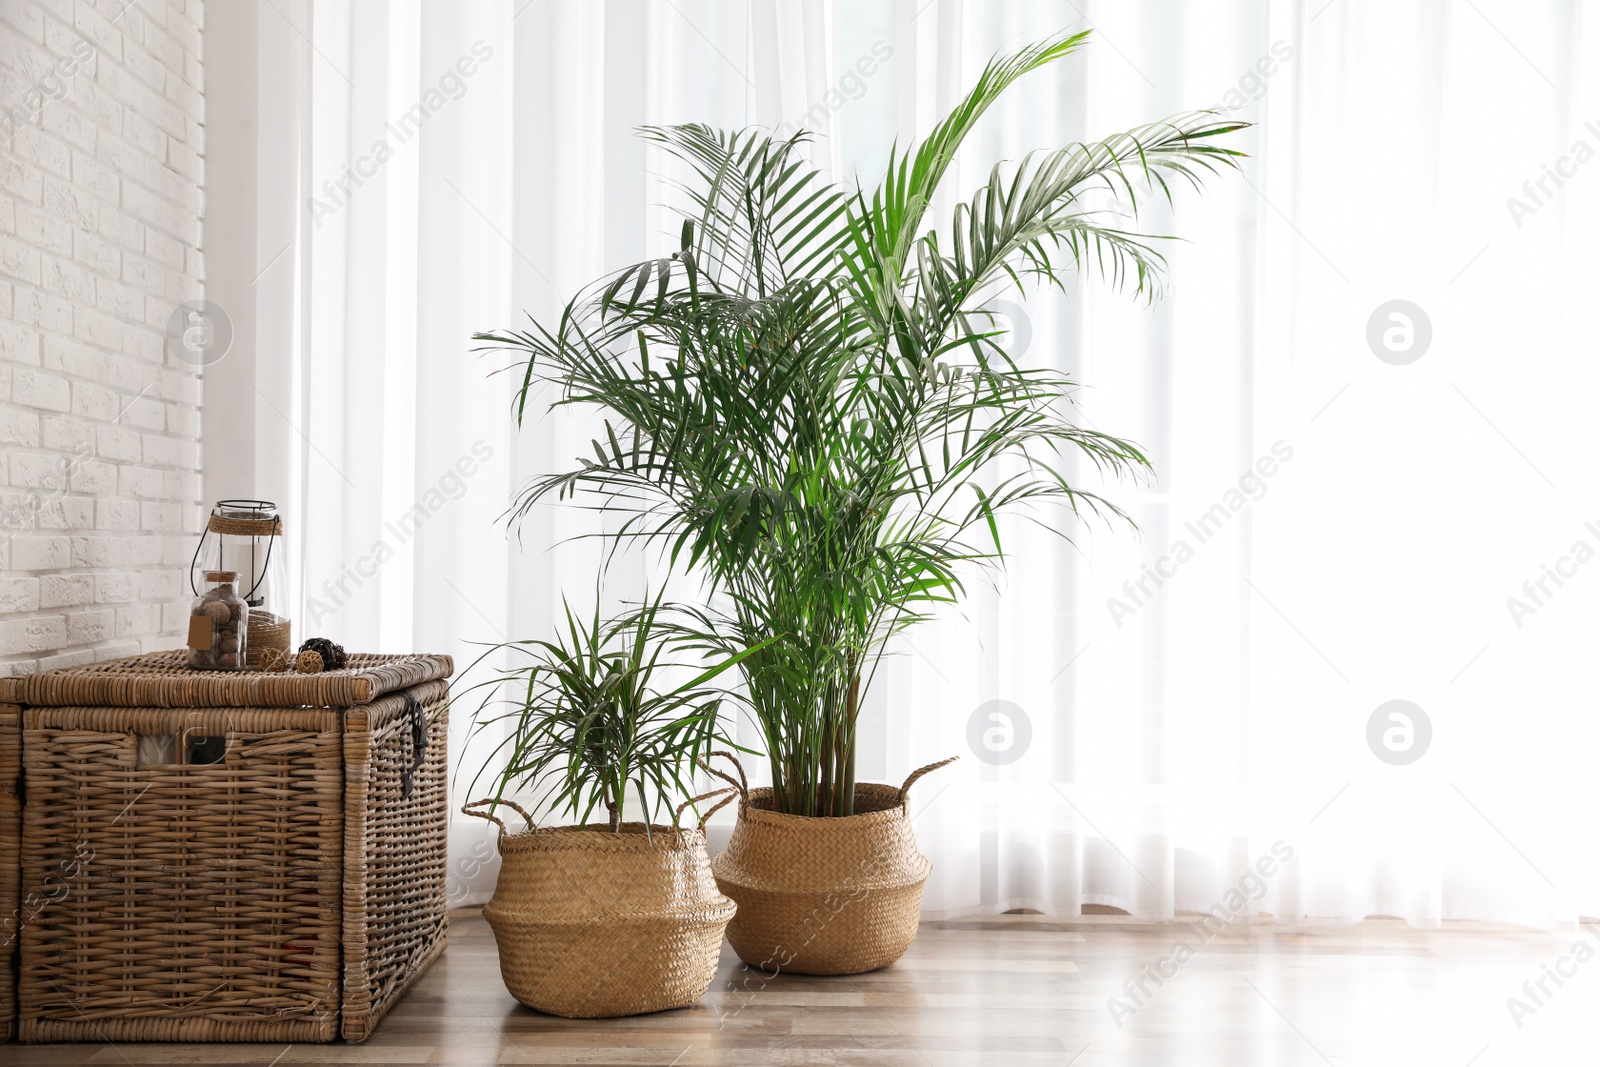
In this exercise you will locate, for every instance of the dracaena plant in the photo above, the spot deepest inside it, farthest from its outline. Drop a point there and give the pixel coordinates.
(585, 719)
(808, 404)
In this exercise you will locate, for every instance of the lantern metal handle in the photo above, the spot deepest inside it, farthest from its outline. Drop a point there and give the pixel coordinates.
(276, 528)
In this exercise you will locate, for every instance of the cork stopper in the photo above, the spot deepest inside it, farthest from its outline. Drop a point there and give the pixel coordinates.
(222, 576)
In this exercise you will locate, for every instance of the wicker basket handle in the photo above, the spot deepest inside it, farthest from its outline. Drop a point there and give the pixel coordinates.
(725, 794)
(742, 785)
(468, 809)
(918, 773)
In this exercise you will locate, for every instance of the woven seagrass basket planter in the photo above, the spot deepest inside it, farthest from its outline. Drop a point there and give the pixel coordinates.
(229, 856)
(824, 895)
(592, 924)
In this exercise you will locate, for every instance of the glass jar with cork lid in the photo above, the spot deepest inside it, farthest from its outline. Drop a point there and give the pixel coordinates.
(219, 624)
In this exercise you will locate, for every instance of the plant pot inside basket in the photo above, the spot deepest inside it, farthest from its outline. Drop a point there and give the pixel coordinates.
(824, 895)
(594, 924)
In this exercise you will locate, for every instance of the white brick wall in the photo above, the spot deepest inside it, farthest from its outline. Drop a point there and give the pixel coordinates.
(101, 197)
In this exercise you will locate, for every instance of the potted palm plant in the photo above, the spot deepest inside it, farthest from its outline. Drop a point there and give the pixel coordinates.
(809, 405)
(614, 917)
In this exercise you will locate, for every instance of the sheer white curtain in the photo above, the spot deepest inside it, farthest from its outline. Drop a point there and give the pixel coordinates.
(1328, 530)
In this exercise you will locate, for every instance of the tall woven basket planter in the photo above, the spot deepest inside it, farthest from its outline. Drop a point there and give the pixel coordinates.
(824, 895)
(592, 924)
(250, 856)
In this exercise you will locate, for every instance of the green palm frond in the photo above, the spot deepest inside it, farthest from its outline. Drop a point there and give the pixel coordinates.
(765, 216)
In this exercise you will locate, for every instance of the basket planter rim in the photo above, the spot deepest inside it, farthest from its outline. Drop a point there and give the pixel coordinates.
(592, 837)
(861, 820)
(711, 914)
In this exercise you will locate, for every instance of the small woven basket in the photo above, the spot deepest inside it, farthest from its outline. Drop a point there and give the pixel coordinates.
(823, 895)
(592, 924)
(267, 641)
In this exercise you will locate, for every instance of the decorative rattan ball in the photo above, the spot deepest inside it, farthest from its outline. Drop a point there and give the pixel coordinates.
(308, 662)
(333, 656)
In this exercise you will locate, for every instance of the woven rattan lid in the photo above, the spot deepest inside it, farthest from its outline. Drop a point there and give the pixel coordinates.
(164, 680)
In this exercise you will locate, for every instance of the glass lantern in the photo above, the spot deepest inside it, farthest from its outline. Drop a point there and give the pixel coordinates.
(245, 536)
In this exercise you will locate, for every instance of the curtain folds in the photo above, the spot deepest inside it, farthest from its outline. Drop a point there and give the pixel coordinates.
(1191, 716)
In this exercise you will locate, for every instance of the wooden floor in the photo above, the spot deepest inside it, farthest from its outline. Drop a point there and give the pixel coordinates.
(1020, 989)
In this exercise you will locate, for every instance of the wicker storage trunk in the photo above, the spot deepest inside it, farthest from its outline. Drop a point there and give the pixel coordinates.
(229, 856)
(10, 860)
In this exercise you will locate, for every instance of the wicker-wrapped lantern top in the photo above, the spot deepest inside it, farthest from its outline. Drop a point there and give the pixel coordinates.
(164, 680)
